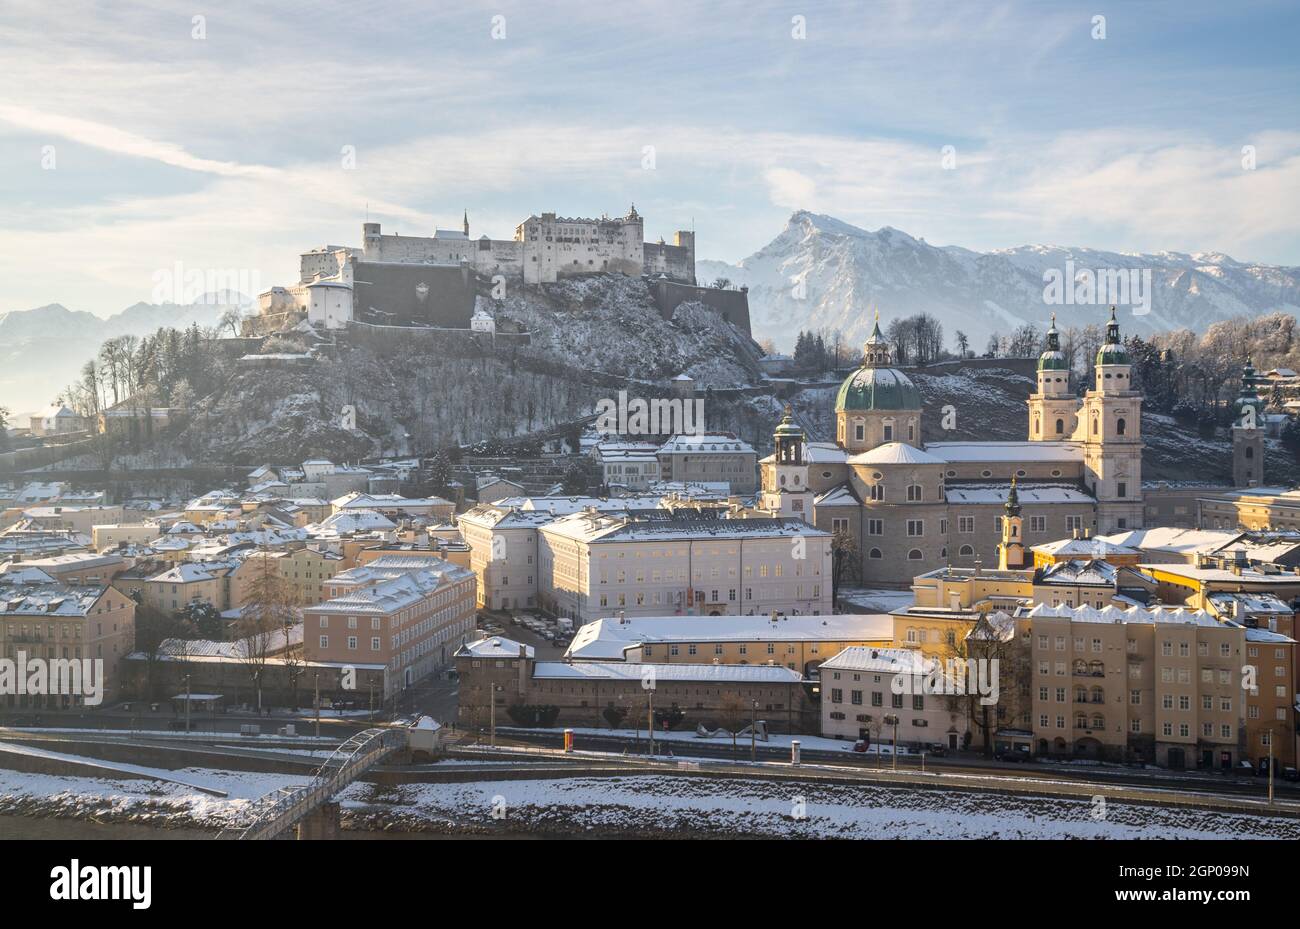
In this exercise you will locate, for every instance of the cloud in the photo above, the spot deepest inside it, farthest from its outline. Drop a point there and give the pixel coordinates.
(790, 189)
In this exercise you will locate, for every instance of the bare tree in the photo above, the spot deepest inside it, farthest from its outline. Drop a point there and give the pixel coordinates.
(269, 609)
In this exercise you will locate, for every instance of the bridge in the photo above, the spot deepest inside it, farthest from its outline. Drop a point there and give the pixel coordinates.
(280, 810)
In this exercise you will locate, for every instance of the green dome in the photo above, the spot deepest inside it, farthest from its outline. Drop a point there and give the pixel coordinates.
(877, 389)
(1112, 353)
(1052, 358)
(788, 426)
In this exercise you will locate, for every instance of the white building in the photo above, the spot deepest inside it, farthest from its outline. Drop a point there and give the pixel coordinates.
(592, 564)
(860, 700)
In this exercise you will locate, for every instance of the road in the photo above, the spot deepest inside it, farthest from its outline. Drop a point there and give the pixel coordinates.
(967, 764)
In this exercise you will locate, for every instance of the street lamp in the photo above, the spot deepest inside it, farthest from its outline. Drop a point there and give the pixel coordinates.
(753, 724)
(317, 704)
(892, 720)
(496, 688)
(187, 704)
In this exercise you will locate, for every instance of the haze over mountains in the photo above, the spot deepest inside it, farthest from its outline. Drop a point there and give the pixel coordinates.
(821, 273)
(42, 349)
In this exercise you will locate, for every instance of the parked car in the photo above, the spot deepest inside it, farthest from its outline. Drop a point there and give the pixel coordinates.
(1290, 774)
(937, 748)
(1013, 755)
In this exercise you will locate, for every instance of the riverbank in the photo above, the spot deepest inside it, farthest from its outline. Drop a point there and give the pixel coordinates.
(634, 805)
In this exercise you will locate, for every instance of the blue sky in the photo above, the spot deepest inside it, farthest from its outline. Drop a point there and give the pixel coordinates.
(226, 151)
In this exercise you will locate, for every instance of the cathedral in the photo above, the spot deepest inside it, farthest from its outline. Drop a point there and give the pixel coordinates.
(912, 507)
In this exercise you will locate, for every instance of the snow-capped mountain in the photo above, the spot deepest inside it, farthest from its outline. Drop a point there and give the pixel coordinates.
(42, 349)
(821, 273)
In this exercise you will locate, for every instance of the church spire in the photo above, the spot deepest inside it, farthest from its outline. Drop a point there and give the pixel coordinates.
(467, 224)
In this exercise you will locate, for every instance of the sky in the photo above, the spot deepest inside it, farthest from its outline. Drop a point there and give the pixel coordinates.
(135, 139)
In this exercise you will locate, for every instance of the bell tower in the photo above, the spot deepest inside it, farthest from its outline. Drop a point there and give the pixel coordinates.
(1011, 551)
(1248, 433)
(1111, 430)
(1053, 409)
(785, 483)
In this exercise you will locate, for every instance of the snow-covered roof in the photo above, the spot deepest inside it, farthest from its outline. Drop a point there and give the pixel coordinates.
(711, 442)
(1171, 539)
(840, 495)
(594, 528)
(685, 671)
(894, 453)
(1028, 493)
(1006, 451)
(494, 647)
(1096, 547)
(1113, 614)
(876, 660)
(610, 638)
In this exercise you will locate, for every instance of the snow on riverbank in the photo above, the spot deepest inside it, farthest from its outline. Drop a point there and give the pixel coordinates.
(637, 805)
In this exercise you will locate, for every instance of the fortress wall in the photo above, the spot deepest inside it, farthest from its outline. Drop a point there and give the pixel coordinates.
(732, 304)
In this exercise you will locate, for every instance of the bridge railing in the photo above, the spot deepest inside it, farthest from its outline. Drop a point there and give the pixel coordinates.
(280, 809)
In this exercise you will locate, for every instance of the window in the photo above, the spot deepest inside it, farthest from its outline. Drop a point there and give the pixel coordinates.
(914, 493)
(966, 551)
(914, 555)
(916, 527)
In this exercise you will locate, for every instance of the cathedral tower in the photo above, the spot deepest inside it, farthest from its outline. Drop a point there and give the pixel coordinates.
(1248, 433)
(1112, 433)
(1053, 409)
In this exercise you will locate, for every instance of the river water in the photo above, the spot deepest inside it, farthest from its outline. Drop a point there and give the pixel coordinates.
(36, 827)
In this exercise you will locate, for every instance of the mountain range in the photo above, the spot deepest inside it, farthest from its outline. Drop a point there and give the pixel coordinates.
(824, 274)
(42, 349)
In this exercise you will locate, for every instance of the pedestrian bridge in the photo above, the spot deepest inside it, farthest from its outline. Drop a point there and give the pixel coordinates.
(280, 810)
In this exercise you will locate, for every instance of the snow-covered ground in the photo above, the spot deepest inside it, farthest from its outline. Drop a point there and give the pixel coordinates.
(642, 804)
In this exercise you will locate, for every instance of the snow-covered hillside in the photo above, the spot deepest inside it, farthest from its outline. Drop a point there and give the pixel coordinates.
(821, 273)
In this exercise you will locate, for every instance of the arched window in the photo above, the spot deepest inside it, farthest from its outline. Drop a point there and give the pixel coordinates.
(1094, 425)
(913, 493)
(875, 553)
(1080, 666)
(1098, 695)
(1120, 426)
(914, 555)
(1080, 695)
(1250, 452)
(966, 551)
(1098, 722)
(877, 491)
(1096, 669)
(1060, 426)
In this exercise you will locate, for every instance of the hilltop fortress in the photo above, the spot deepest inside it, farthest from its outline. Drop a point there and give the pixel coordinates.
(433, 281)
